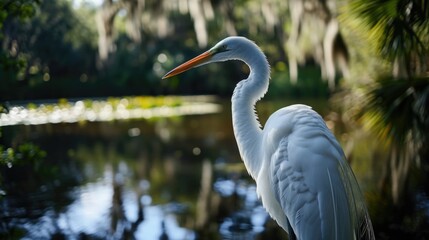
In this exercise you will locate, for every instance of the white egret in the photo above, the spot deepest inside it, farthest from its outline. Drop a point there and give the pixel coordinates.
(301, 173)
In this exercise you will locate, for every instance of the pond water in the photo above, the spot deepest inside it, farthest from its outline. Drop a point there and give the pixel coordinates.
(163, 178)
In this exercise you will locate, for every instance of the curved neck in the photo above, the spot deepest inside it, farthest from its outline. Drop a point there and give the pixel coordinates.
(247, 129)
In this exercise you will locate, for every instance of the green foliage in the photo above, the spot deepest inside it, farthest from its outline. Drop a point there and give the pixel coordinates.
(21, 9)
(397, 109)
(7, 155)
(13, 11)
(41, 49)
(27, 153)
(397, 27)
(54, 54)
(393, 108)
(309, 84)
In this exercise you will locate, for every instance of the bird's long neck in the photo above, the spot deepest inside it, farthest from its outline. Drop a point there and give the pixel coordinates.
(247, 129)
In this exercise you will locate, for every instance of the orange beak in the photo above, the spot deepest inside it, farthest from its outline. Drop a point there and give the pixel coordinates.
(189, 64)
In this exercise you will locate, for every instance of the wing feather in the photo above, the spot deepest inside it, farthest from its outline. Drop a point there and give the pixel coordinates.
(294, 196)
(317, 190)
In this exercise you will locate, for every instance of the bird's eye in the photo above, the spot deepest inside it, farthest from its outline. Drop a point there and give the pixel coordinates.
(222, 48)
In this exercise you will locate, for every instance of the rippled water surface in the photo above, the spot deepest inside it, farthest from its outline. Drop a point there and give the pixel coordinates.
(178, 177)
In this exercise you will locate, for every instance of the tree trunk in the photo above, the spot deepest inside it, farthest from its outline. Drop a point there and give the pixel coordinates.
(105, 18)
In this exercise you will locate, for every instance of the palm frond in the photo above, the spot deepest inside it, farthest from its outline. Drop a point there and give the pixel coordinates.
(397, 109)
(398, 27)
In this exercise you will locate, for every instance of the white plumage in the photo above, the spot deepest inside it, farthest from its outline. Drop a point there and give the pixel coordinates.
(301, 174)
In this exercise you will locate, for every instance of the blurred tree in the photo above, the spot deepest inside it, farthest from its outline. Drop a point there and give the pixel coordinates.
(52, 44)
(266, 22)
(395, 107)
(19, 9)
(105, 20)
(138, 41)
(399, 29)
(315, 31)
(151, 17)
(397, 112)
(13, 11)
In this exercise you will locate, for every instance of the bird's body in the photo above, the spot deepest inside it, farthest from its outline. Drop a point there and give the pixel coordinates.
(300, 170)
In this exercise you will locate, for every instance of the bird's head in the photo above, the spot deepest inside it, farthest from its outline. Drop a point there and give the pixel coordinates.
(228, 49)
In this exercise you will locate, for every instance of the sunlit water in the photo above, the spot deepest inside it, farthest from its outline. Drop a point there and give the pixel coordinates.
(164, 178)
(105, 110)
(139, 179)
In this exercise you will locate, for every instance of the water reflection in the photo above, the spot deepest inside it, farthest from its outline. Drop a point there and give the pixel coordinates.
(119, 180)
(249, 220)
(167, 178)
(107, 110)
